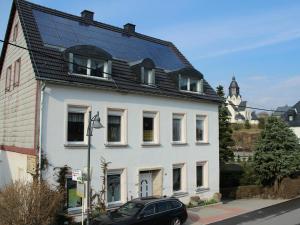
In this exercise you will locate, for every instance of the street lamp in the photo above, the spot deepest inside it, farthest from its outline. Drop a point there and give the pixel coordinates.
(94, 122)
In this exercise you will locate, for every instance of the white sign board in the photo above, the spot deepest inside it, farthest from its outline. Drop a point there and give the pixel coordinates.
(77, 175)
(80, 191)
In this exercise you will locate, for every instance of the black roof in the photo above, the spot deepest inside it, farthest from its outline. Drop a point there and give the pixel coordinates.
(234, 85)
(281, 110)
(293, 111)
(45, 28)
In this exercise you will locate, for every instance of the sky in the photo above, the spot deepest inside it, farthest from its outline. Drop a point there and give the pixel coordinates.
(257, 41)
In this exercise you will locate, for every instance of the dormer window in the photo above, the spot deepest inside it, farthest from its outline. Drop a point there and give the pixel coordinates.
(90, 61)
(88, 66)
(147, 76)
(190, 84)
(291, 118)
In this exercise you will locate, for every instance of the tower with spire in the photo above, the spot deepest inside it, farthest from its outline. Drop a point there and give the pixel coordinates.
(237, 108)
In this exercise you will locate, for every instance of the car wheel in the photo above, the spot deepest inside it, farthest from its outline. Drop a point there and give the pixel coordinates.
(176, 221)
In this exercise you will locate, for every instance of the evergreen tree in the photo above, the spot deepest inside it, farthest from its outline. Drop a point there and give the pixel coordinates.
(247, 124)
(277, 153)
(225, 131)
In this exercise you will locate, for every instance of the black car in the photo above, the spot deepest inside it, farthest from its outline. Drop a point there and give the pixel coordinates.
(146, 211)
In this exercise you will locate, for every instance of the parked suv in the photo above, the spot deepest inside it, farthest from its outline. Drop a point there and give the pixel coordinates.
(146, 211)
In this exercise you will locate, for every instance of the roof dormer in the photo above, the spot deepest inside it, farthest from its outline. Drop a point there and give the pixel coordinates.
(88, 60)
(145, 71)
(188, 79)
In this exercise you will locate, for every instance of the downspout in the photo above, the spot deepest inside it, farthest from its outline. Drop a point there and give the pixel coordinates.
(40, 129)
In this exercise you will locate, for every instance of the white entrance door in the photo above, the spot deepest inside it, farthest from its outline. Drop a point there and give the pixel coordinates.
(146, 184)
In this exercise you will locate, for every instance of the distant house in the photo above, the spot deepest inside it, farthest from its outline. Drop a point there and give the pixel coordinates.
(159, 113)
(237, 108)
(292, 117)
(280, 111)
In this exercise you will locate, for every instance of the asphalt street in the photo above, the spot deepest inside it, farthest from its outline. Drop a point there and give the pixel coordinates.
(286, 213)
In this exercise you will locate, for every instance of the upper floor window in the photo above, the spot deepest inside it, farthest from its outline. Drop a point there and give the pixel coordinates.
(17, 71)
(8, 79)
(178, 128)
(201, 128)
(150, 127)
(83, 65)
(147, 76)
(15, 32)
(76, 125)
(190, 84)
(116, 126)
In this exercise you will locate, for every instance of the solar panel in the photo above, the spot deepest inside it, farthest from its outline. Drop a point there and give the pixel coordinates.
(66, 33)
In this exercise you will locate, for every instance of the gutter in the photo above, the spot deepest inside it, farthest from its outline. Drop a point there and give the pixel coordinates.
(40, 128)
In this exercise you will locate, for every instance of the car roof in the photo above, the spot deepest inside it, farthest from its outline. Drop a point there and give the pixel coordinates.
(147, 200)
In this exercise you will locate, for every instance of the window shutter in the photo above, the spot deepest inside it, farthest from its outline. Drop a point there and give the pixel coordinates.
(142, 75)
(109, 69)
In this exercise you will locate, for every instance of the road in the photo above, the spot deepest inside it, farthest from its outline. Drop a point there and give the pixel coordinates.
(286, 213)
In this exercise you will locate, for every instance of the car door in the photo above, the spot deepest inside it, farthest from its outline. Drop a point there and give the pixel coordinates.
(148, 215)
(164, 212)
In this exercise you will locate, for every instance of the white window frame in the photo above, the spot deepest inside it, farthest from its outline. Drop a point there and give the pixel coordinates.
(8, 78)
(77, 108)
(205, 176)
(123, 185)
(151, 76)
(156, 127)
(204, 118)
(15, 31)
(123, 114)
(182, 117)
(183, 178)
(199, 85)
(17, 72)
(106, 72)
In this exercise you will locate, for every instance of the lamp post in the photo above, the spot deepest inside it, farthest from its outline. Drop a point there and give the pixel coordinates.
(94, 122)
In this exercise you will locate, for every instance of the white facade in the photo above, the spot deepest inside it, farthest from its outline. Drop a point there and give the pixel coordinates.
(132, 157)
(296, 131)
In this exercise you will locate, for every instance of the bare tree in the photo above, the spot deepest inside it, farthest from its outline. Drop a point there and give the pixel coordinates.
(29, 204)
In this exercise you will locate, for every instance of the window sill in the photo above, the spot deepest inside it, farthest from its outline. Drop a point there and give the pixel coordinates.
(178, 143)
(201, 189)
(149, 85)
(145, 144)
(191, 92)
(71, 145)
(115, 145)
(180, 194)
(202, 143)
(91, 77)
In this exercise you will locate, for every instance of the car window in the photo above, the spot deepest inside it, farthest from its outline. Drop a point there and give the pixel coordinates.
(130, 208)
(149, 210)
(164, 206)
(175, 204)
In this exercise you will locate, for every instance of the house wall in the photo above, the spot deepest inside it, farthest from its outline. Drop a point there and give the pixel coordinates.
(134, 157)
(296, 131)
(17, 112)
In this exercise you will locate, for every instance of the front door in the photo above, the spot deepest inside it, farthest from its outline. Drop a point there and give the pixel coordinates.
(145, 184)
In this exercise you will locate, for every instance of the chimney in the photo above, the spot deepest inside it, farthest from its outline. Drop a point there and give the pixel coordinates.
(129, 28)
(88, 16)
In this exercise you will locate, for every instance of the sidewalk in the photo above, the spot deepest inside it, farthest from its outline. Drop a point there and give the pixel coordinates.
(211, 214)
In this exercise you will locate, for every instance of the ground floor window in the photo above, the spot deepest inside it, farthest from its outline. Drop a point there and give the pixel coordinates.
(176, 178)
(201, 175)
(73, 200)
(113, 187)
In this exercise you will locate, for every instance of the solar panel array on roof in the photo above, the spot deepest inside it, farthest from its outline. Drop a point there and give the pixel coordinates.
(62, 32)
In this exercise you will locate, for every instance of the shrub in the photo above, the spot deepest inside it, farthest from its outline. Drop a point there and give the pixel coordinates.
(29, 204)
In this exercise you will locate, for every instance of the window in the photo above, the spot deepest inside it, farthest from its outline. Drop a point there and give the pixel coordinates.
(76, 124)
(178, 128)
(8, 79)
(291, 118)
(17, 71)
(163, 206)
(113, 188)
(176, 178)
(148, 76)
(201, 174)
(149, 210)
(176, 204)
(116, 126)
(73, 200)
(150, 127)
(87, 66)
(190, 84)
(15, 32)
(201, 135)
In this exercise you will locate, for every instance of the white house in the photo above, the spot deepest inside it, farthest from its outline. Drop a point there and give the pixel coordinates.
(237, 108)
(160, 116)
(292, 117)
